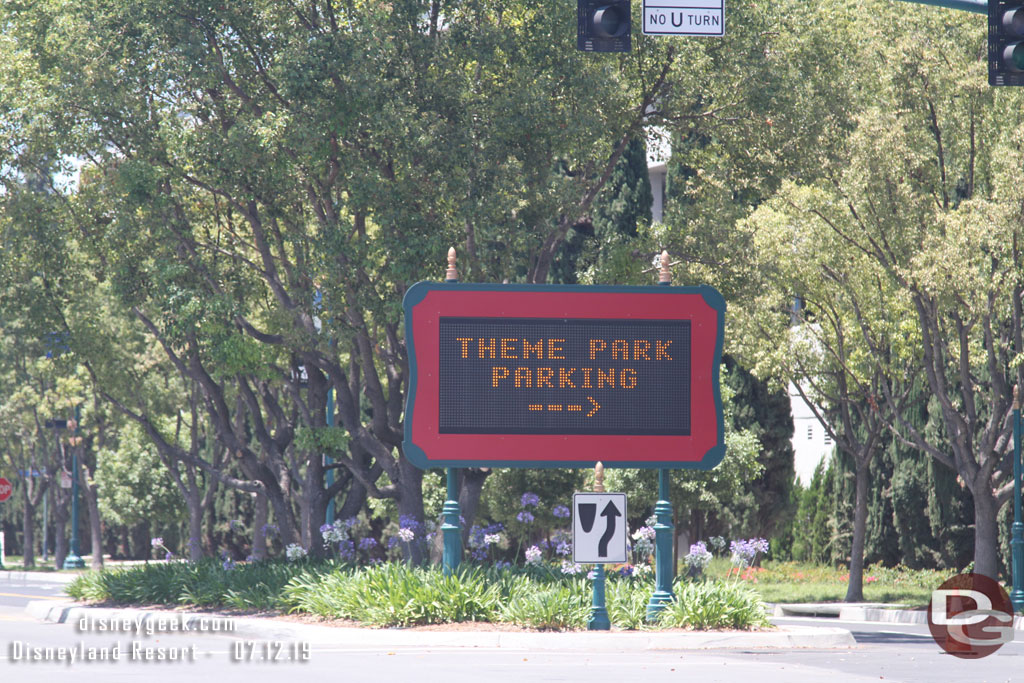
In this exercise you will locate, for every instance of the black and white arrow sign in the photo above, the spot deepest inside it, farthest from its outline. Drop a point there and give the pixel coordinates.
(598, 533)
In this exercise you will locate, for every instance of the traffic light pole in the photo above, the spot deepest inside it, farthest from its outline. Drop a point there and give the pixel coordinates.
(1017, 529)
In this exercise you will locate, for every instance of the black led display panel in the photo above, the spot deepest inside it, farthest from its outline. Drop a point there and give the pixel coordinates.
(564, 376)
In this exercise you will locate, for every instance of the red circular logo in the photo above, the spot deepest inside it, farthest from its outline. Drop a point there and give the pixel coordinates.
(970, 616)
(5, 489)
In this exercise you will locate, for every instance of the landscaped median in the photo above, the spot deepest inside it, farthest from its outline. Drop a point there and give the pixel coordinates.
(390, 595)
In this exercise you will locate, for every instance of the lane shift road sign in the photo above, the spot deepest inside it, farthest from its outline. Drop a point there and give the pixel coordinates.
(599, 528)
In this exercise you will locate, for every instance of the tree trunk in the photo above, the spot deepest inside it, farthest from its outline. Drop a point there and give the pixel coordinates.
(855, 587)
(195, 526)
(60, 551)
(61, 514)
(261, 516)
(473, 479)
(95, 523)
(28, 531)
(410, 504)
(986, 532)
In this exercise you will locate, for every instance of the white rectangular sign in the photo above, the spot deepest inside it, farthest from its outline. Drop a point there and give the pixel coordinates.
(684, 17)
(599, 528)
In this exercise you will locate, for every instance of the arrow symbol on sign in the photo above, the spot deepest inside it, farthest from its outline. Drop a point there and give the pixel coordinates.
(597, 406)
(610, 512)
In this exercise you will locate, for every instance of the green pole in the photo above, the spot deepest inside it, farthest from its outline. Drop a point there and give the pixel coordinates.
(599, 620)
(74, 560)
(329, 517)
(664, 558)
(451, 529)
(1017, 529)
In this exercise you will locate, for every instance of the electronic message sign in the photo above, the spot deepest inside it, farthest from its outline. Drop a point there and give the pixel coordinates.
(539, 376)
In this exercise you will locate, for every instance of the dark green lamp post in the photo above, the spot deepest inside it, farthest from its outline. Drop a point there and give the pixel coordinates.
(74, 559)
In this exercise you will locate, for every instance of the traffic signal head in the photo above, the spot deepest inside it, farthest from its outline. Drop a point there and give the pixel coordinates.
(603, 25)
(1006, 42)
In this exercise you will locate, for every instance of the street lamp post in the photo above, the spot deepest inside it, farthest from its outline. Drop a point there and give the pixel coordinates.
(74, 559)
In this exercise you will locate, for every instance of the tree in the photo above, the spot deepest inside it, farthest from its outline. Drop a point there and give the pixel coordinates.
(930, 198)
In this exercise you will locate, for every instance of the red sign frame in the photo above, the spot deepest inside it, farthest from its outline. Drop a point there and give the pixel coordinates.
(425, 303)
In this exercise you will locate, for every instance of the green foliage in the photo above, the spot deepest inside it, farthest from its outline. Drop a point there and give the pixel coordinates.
(812, 526)
(402, 595)
(396, 595)
(796, 582)
(714, 604)
(134, 486)
(556, 607)
(203, 584)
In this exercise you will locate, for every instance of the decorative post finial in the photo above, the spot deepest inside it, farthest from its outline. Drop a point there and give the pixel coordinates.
(664, 274)
(599, 477)
(452, 273)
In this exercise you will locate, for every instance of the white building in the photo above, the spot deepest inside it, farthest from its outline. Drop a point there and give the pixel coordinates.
(811, 443)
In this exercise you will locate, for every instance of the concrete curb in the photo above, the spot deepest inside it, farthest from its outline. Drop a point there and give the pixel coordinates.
(789, 637)
(14, 576)
(872, 612)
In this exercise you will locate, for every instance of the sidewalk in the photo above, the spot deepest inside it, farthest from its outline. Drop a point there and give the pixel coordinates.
(788, 637)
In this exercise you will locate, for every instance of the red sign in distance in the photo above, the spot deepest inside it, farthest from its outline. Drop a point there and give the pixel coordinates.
(5, 489)
(563, 376)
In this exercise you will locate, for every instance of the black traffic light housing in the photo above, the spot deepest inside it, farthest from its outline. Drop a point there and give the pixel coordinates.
(603, 25)
(1006, 42)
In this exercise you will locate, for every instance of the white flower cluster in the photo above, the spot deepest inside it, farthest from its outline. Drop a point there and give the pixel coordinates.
(294, 552)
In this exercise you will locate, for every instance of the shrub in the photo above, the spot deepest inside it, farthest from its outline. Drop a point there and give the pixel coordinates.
(714, 604)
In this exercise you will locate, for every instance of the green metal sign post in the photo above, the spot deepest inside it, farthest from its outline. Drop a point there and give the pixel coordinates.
(599, 619)
(451, 528)
(664, 530)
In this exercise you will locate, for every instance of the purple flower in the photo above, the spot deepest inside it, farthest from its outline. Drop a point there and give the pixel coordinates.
(324, 528)
(561, 512)
(367, 543)
(529, 499)
(347, 550)
(525, 516)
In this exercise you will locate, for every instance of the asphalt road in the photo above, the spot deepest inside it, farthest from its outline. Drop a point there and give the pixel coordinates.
(888, 652)
(20, 593)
